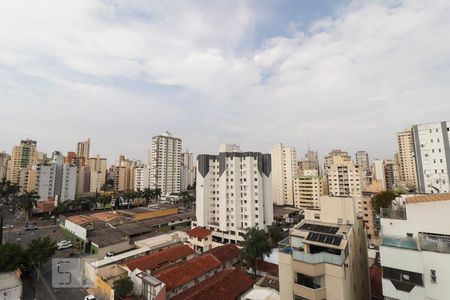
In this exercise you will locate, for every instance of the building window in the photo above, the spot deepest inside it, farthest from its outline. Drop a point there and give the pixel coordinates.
(433, 276)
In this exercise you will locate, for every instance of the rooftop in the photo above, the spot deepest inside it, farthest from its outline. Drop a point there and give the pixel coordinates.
(199, 232)
(106, 216)
(9, 280)
(187, 271)
(270, 282)
(323, 234)
(428, 198)
(106, 237)
(267, 267)
(225, 285)
(81, 219)
(225, 253)
(159, 259)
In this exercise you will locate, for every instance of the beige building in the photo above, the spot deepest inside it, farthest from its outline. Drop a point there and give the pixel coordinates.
(284, 164)
(407, 166)
(98, 173)
(22, 156)
(325, 256)
(308, 188)
(344, 178)
(124, 180)
(83, 149)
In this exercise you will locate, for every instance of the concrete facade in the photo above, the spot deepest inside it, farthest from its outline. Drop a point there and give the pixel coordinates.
(284, 165)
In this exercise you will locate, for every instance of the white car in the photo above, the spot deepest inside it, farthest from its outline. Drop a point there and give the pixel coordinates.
(90, 297)
(63, 242)
(8, 226)
(64, 246)
(109, 255)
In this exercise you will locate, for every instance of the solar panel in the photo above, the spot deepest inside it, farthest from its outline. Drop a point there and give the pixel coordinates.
(319, 228)
(324, 238)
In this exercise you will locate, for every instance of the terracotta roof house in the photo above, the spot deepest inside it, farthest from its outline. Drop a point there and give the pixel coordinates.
(228, 254)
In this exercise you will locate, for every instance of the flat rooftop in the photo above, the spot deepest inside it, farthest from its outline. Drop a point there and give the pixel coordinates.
(323, 234)
(106, 237)
(428, 198)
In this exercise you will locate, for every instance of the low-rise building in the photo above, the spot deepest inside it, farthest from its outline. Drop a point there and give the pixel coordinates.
(267, 288)
(200, 238)
(10, 286)
(146, 213)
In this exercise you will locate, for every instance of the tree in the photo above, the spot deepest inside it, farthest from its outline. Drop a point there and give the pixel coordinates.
(123, 287)
(39, 251)
(254, 247)
(78, 202)
(117, 202)
(383, 200)
(275, 234)
(157, 193)
(11, 257)
(8, 194)
(147, 195)
(27, 201)
(105, 200)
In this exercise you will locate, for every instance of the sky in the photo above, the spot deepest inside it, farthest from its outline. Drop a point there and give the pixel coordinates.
(331, 74)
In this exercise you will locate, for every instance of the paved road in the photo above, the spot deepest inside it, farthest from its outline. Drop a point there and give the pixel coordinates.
(24, 237)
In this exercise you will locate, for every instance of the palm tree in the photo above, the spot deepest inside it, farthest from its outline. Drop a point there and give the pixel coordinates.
(105, 199)
(147, 194)
(78, 202)
(93, 200)
(8, 193)
(157, 193)
(27, 201)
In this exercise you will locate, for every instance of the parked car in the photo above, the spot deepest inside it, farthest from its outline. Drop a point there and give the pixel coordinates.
(8, 226)
(63, 242)
(31, 227)
(109, 255)
(90, 297)
(65, 246)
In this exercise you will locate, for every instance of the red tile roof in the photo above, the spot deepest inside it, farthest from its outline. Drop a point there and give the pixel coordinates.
(225, 285)
(225, 253)
(199, 232)
(267, 267)
(180, 274)
(159, 259)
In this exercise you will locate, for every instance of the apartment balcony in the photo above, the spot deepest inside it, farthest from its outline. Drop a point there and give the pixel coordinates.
(313, 292)
(434, 242)
(389, 213)
(309, 258)
(399, 242)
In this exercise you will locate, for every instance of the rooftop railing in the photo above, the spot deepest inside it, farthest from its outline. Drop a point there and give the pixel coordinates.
(399, 242)
(434, 242)
(389, 213)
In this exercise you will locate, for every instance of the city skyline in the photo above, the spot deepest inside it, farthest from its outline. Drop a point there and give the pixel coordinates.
(264, 73)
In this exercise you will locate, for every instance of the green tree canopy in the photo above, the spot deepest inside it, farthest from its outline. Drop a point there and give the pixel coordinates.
(11, 257)
(275, 234)
(254, 247)
(383, 200)
(123, 287)
(40, 250)
(27, 201)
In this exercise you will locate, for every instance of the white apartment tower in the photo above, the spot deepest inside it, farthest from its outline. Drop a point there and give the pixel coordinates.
(142, 178)
(406, 162)
(165, 163)
(343, 176)
(187, 170)
(415, 248)
(284, 164)
(234, 192)
(97, 166)
(432, 155)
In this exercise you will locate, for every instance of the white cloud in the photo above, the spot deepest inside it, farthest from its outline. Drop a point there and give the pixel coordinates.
(121, 73)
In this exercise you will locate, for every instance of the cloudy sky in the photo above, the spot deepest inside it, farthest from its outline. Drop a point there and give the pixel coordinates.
(339, 74)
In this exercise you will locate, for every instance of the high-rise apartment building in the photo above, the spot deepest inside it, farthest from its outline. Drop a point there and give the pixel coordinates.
(325, 256)
(342, 175)
(125, 176)
(406, 161)
(187, 170)
(165, 163)
(4, 160)
(415, 248)
(83, 180)
(362, 162)
(234, 192)
(68, 183)
(432, 156)
(308, 187)
(309, 162)
(83, 149)
(22, 156)
(98, 173)
(284, 164)
(385, 171)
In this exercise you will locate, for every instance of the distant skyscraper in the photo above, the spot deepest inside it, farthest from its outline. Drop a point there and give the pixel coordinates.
(165, 163)
(284, 164)
(308, 187)
(125, 176)
(142, 178)
(83, 149)
(343, 176)
(187, 170)
(362, 161)
(98, 173)
(385, 172)
(432, 156)
(309, 162)
(4, 160)
(406, 162)
(234, 192)
(22, 156)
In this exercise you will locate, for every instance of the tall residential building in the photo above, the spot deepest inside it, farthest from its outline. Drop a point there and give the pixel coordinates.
(309, 162)
(22, 156)
(432, 156)
(83, 149)
(308, 188)
(45, 180)
(125, 176)
(68, 183)
(4, 160)
(342, 175)
(325, 256)
(142, 178)
(385, 171)
(165, 163)
(187, 170)
(83, 180)
(234, 192)
(284, 161)
(415, 248)
(362, 162)
(98, 173)
(406, 161)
